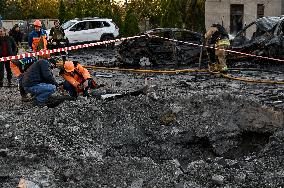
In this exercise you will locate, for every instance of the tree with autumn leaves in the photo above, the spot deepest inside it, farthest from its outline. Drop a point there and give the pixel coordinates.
(187, 14)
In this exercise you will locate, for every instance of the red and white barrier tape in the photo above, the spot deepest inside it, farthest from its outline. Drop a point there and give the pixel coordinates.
(46, 52)
(231, 51)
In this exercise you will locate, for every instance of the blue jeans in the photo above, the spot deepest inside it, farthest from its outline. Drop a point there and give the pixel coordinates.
(42, 91)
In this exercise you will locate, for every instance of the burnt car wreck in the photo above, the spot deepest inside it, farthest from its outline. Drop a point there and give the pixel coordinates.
(155, 51)
(266, 40)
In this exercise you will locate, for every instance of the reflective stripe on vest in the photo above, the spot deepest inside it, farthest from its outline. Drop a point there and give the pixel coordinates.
(223, 42)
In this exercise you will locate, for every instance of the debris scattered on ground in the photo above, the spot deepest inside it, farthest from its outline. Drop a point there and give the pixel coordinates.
(199, 131)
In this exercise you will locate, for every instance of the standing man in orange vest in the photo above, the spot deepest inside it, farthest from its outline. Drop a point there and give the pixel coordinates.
(38, 38)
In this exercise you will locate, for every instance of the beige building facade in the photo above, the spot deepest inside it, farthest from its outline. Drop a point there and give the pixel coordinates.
(235, 14)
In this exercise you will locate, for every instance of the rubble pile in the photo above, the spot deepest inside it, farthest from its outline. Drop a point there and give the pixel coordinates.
(188, 130)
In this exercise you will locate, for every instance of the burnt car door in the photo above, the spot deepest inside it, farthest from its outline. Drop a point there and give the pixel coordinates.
(148, 50)
(188, 49)
(131, 51)
(161, 49)
(157, 47)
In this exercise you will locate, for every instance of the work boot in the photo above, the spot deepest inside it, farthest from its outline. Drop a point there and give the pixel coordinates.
(213, 68)
(53, 104)
(38, 104)
(10, 83)
(25, 98)
(224, 69)
(86, 93)
(54, 101)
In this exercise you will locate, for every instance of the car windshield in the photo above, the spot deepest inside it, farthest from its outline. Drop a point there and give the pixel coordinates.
(68, 24)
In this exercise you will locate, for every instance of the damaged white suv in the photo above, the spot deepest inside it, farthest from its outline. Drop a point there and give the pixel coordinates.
(89, 30)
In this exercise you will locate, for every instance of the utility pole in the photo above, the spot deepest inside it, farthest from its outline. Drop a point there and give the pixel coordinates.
(126, 4)
(1, 23)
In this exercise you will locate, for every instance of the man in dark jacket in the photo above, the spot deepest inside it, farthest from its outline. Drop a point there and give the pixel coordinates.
(39, 80)
(7, 48)
(16, 34)
(56, 38)
(57, 35)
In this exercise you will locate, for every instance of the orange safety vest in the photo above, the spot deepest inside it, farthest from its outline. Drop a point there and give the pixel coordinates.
(39, 43)
(79, 75)
(15, 69)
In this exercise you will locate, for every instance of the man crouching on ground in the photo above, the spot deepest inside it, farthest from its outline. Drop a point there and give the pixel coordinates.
(77, 79)
(39, 81)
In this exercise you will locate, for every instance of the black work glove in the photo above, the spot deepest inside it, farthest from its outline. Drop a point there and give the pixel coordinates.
(91, 82)
(52, 62)
(81, 86)
(86, 93)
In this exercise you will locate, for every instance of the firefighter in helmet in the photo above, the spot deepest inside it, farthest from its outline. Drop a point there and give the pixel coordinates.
(217, 38)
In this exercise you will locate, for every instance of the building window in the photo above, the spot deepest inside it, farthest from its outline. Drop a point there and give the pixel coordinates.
(236, 18)
(260, 10)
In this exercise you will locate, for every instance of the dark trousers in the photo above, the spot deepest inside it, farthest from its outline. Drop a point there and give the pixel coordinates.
(70, 88)
(21, 88)
(58, 44)
(8, 70)
(212, 55)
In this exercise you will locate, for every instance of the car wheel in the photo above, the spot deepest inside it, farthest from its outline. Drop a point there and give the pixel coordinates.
(273, 51)
(66, 42)
(180, 58)
(145, 61)
(136, 61)
(107, 38)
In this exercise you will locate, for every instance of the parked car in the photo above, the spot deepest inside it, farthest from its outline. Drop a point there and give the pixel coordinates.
(89, 30)
(151, 51)
(267, 39)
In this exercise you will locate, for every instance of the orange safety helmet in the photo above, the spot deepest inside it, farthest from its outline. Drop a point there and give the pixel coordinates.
(69, 66)
(37, 23)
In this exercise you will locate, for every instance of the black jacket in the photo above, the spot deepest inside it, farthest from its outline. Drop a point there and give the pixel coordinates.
(54, 32)
(17, 35)
(39, 72)
(12, 48)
